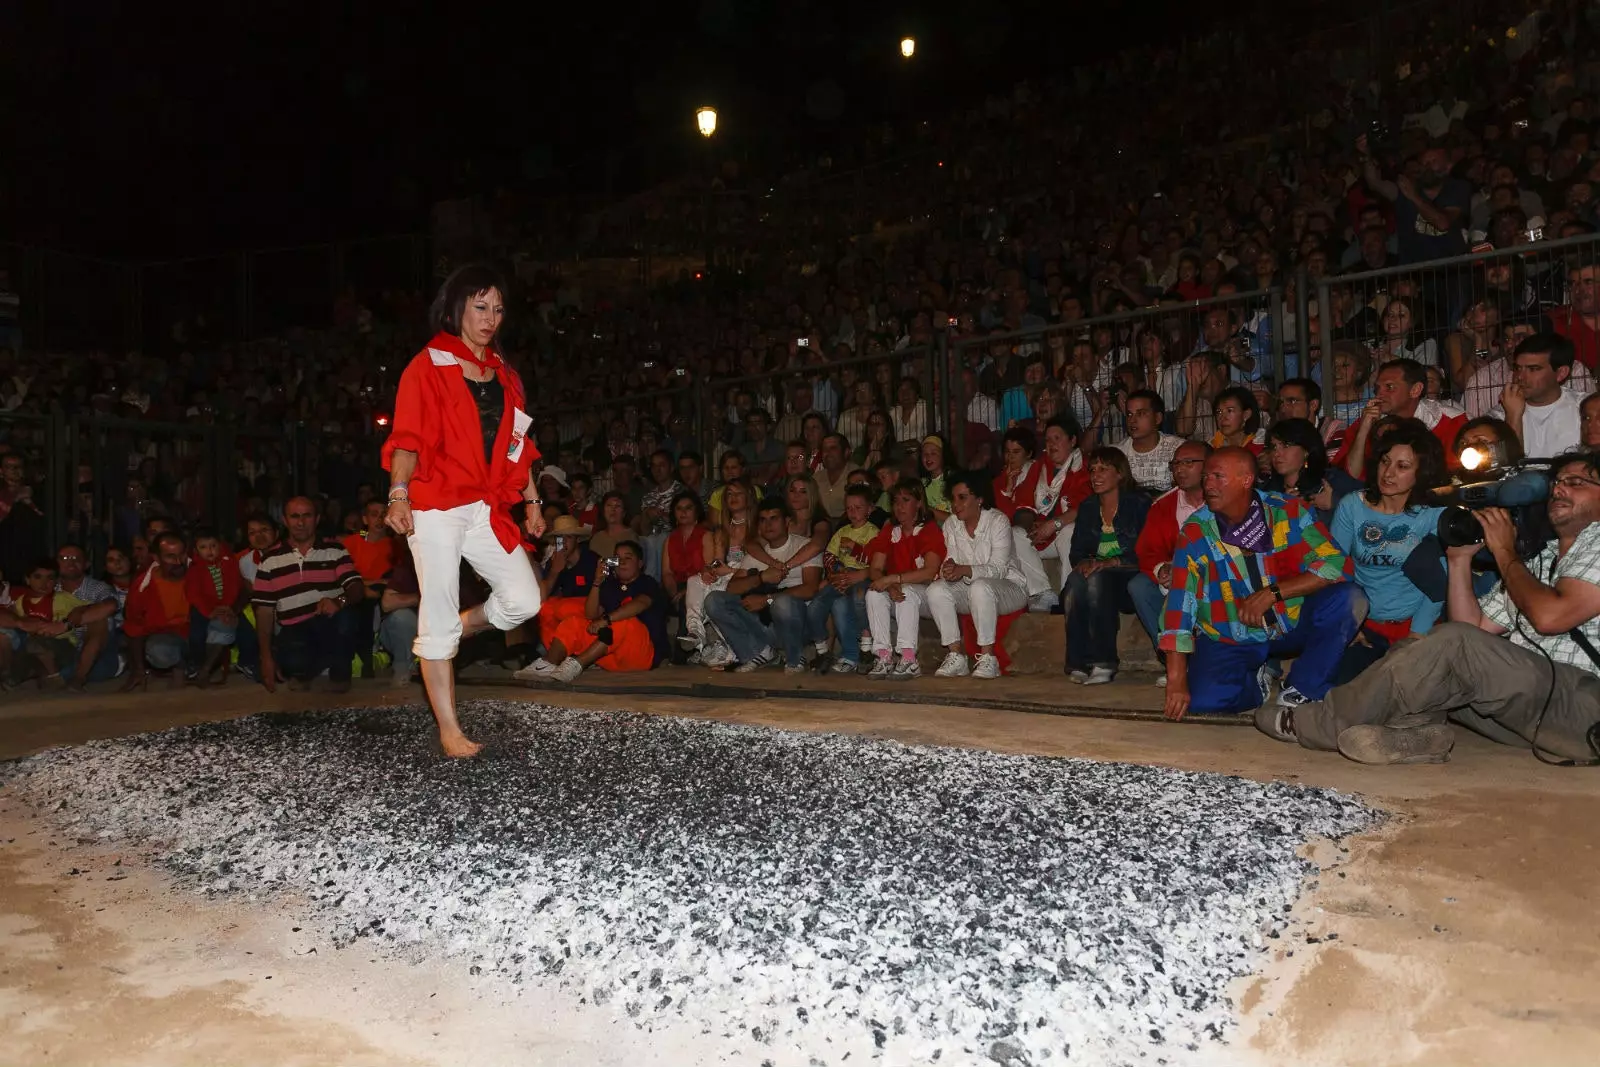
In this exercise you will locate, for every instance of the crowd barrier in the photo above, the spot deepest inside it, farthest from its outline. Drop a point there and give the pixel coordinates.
(1485, 298)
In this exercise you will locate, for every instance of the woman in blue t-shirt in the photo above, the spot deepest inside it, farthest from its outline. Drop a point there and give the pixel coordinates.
(1379, 527)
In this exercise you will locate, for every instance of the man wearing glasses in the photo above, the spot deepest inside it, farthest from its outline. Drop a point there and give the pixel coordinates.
(1521, 665)
(98, 652)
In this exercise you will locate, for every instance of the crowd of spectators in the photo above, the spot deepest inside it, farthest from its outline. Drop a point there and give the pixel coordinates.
(1114, 401)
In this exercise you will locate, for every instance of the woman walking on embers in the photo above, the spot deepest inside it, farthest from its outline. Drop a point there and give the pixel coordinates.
(458, 458)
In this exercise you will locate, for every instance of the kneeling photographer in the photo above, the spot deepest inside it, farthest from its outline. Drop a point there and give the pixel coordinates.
(1520, 664)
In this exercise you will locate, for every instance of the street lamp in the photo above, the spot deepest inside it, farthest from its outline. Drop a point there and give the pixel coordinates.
(908, 47)
(706, 119)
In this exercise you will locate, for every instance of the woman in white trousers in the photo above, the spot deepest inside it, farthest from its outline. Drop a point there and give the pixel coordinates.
(1043, 529)
(902, 560)
(979, 577)
(459, 457)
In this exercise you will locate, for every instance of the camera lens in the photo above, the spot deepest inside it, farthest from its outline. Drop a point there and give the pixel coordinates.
(1459, 526)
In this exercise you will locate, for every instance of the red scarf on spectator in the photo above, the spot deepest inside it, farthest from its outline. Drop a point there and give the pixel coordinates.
(449, 342)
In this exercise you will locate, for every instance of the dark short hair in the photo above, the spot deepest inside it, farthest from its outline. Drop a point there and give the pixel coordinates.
(691, 454)
(464, 283)
(46, 564)
(1067, 424)
(1024, 437)
(777, 504)
(1157, 405)
(693, 498)
(1587, 457)
(623, 457)
(263, 518)
(863, 492)
(628, 542)
(978, 485)
(1247, 403)
(1302, 433)
(844, 442)
(1414, 373)
(1312, 389)
(1558, 349)
(203, 532)
(1117, 460)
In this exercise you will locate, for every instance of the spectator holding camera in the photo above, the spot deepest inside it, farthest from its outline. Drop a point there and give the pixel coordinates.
(1520, 665)
(623, 625)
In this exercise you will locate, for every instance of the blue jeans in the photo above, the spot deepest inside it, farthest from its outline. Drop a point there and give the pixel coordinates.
(1222, 677)
(1148, 603)
(397, 632)
(652, 545)
(1092, 606)
(163, 652)
(203, 632)
(745, 633)
(105, 664)
(322, 642)
(849, 613)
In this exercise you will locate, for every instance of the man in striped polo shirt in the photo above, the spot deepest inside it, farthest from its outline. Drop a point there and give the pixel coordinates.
(307, 589)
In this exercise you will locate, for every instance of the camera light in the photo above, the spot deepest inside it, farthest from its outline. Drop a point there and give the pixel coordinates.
(1472, 458)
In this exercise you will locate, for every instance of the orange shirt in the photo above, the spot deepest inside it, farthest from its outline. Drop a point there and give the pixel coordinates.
(373, 559)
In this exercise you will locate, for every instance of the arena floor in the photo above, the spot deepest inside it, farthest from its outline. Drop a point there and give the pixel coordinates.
(1459, 931)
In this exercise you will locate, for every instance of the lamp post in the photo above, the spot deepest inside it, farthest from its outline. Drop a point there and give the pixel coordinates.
(705, 120)
(908, 47)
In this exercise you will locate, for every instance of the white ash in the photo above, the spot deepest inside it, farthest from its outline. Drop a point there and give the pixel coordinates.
(799, 897)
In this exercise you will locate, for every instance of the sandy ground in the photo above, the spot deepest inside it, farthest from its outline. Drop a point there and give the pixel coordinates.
(1463, 933)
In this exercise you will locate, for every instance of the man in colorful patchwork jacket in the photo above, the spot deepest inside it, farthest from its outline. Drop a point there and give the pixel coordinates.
(1255, 577)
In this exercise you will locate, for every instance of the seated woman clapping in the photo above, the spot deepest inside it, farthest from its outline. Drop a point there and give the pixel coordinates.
(1104, 560)
(980, 577)
(905, 557)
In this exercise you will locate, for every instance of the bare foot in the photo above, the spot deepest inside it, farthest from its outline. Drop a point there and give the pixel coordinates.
(457, 746)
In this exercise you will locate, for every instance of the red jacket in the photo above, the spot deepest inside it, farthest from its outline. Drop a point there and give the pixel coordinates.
(436, 417)
(1158, 541)
(202, 591)
(1022, 496)
(147, 613)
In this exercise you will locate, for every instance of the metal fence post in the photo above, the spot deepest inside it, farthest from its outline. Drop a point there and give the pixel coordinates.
(1302, 316)
(1324, 336)
(1275, 304)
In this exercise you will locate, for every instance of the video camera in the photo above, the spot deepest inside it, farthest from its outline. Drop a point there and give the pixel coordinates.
(1512, 485)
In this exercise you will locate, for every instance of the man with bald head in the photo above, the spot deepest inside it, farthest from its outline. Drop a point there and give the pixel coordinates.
(309, 586)
(1255, 576)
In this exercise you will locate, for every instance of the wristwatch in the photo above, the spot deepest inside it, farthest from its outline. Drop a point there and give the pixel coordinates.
(769, 601)
(1277, 594)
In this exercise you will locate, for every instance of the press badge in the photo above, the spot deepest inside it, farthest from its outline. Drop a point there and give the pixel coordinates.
(520, 421)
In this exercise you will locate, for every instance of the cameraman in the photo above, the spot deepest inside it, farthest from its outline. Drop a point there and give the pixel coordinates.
(1538, 685)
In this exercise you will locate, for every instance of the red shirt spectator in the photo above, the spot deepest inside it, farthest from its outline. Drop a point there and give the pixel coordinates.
(201, 585)
(373, 559)
(902, 553)
(157, 604)
(1585, 340)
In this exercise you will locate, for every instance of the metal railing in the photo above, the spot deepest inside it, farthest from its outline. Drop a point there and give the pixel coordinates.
(1456, 314)
(1148, 348)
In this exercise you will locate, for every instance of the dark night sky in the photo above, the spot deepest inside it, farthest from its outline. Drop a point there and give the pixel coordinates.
(149, 130)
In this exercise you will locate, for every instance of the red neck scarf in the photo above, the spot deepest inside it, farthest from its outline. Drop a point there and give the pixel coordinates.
(448, 342)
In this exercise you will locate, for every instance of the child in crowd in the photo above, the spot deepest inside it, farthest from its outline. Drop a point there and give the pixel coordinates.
(213, 589)
(847, 575)
(583, 508)
(45, 618)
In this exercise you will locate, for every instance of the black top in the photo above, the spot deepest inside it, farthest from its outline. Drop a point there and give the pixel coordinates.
(491, 400)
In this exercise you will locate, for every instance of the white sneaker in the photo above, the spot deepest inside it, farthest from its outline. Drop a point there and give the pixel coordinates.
(866, 643)
(1079, 676)
(988, 666)
(1100, 676)
(954, 666)
(538, 669)
(755, 663)
(1264, 680)
(567, 670)
(883, 668)
(907, 669)
(842, 666)
(794, 668)
(717, 656)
